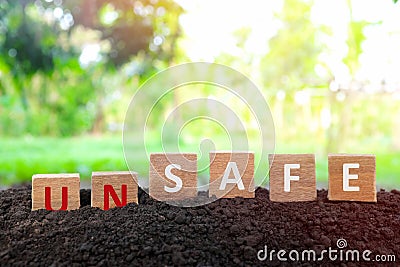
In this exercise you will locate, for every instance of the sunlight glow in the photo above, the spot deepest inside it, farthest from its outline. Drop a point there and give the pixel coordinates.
(210, 28)
(90, 54)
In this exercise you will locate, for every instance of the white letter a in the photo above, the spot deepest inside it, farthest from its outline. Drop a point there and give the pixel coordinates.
(237, 180)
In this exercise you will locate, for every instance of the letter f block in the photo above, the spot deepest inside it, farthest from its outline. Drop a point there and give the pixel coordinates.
(292, 177)
(173, 176)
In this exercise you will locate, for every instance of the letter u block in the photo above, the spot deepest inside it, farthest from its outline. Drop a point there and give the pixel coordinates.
(56, 191)
(114, 189)
(173, 176)
(231, 174)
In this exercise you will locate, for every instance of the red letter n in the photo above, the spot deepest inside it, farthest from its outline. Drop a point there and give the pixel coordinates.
(109, 191)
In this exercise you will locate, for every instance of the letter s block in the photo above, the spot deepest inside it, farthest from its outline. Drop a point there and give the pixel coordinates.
(114, 189)
(56, 191)
(173, 176)
(352, 177)
(231, 174)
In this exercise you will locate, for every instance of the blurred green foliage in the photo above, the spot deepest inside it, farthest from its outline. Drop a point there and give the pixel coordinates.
(22, 157)
(295, 61)
(53, 83)
(68, 70)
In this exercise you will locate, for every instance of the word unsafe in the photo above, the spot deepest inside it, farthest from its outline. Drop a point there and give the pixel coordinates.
(174, 177)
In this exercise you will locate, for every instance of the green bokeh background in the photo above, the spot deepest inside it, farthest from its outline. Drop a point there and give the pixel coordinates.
(68, 70)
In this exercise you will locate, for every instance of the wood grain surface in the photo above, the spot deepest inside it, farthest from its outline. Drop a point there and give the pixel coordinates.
(187, 173)
(55, 182)
(302, 190)
(116, 179)
(218, 165)
(366, 177)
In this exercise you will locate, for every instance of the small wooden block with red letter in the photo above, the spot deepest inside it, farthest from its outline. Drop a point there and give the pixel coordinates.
(173, 176)
(56, 191)
(114, 189)
(292, 177)
(231, 174)
(352, 177)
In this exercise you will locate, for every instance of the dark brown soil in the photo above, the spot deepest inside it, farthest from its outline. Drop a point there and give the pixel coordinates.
(223, 233)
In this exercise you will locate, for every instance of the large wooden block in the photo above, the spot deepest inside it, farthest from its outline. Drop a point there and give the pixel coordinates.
(292, 177)
(231, 174)
(114, 189)
(56, 191)
(173, 176)
(352, 177)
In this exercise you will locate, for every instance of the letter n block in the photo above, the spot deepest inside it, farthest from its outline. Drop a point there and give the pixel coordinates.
(231, 174)
(56, 191)
(173, 176)
(292, 177)
(352, 177)
(114, 189)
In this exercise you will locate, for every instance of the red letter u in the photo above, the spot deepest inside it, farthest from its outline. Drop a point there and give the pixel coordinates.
(109, 191)
(64, 198)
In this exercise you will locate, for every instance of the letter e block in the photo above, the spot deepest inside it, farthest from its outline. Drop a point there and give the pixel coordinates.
(292, 177)
(114, 189)
(173, 176)
(352, 177)
(56, 191)
(231, 174)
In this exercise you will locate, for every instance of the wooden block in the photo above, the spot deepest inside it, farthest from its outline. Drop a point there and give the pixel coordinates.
(231, 174)
(352, 177)
(114, 189)
(173, 176)
(56, 191)
(292, 177)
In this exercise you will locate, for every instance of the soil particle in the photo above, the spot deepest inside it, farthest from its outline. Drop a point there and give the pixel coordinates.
(227, 232)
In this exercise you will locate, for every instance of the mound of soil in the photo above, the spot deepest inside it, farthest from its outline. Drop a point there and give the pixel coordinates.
(227, 232)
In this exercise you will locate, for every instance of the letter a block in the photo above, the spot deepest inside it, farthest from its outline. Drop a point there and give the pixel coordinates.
(173, 176)
(55, 191)
(292, 177)
(352, 177)
(231, 174)
(113, 189)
